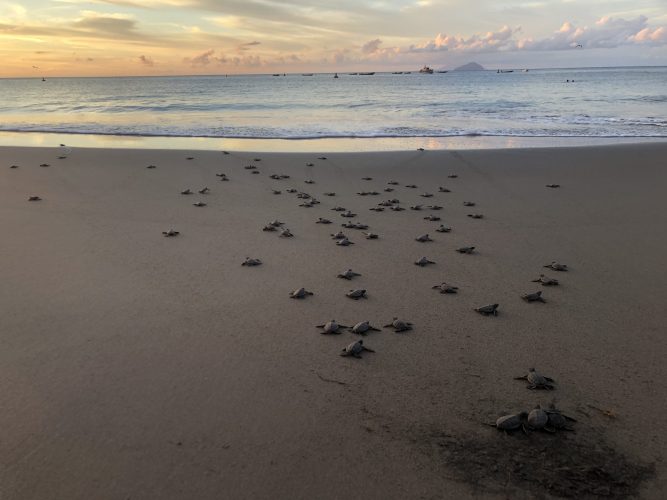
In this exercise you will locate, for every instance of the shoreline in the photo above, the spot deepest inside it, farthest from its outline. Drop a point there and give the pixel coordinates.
(311, 145)
(139, 366)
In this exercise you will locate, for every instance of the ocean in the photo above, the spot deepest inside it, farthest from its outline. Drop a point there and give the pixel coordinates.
(595, 103)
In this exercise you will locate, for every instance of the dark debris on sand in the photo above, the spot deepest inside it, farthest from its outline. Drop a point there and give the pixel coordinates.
(570, 466)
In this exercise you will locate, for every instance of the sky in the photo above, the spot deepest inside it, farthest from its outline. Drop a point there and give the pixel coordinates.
(187, 37)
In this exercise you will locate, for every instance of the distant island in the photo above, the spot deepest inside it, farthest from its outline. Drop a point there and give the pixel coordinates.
(473, 66)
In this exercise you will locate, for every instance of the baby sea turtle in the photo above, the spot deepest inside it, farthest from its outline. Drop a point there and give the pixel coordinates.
(415, 207)
(443, 229)
(286, 233)
(274, 177)
(491, 309)
(434, 207)
(366, 178)
(332, 327)
(257, 159)
(355, 349)
(377, 209)
(276, 191)
(556, 266)
(221, 174)
(348, 214)
(300, 293)
(468, 250)
(250, 167)
(269, 227)
(444, 190)
(348, 275)
(329, 193)
(204, 190)
(452, 176)
(537, 419)
(533, 297)
(411, 186)
(553, 186)
(310, 164)
(339, 209)
(45, 165)
(309, 181)
(338, 236)
(190, 158)
(34, 198)
(423, 238)
(320, 220)
(399, 325)
(356, 294)
(251, 262)
(397, 208)
(344, 242)
(199, 204)
(445, 288)
(151, 166)
(468, 203)
(360, 226)
(256, 172)
(432, 218)
(363, 327)
(537, 380)
(291, 190)
(170, 233)
(276, 223)
(393, 183)
(14, 166)
(508, 423)
(307, 204)
(558, 421)
(420, 149)
(546, 281)
(186, 191)
(426, 195)
(348, 225)
(388, 190)
(476, 216)
(371, 236)
(423, 262)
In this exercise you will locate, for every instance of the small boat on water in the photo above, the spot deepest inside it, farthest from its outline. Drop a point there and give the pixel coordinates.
(306, 74)
(367, 74)
(441, 72)
(353, 74)
(505, 71)
(43, 79)
(397, 73)
(336, 75)
(426, 70)
(276, 74)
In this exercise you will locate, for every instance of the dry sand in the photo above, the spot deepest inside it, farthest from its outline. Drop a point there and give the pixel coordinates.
(142, 367)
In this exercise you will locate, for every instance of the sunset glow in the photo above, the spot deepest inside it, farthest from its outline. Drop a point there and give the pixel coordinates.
(172, 37)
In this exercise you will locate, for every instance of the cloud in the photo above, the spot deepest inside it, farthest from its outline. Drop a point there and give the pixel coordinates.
(146, 60)
(606, 33)
(203, 59)
(371, 46)
(248, 46)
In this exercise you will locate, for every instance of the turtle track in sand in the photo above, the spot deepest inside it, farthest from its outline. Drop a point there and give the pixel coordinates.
(568, 466)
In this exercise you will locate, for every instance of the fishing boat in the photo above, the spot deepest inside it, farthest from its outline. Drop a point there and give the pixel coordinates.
(306, 74)
(426, 70)
(397, 73)
(367, 74)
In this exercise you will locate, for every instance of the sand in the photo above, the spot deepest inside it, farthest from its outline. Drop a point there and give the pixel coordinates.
(137, 366)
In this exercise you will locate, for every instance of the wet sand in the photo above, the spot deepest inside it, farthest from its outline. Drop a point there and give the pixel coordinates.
(138, 366)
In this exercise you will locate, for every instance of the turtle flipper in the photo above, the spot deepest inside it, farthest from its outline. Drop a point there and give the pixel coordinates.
(525, 377)
(549, 429)
(387, 326)
(344, 353)
(319, 326)
(374, 329)
(368, 349)
(549, 379)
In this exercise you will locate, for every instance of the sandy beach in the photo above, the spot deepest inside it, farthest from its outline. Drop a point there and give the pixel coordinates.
(135, 366)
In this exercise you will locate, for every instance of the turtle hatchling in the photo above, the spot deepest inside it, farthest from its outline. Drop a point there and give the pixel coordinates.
(490, 310)
(363, 327)
(434, 207)
(286, 233)
(320, 220)
(553, 186)
(370, 236)
(393, 183)
(432, 218)
(331, 327)
(338, 236)
(356, 294)
(556, 266)
(329, 193)
(377, 209)
(366, 178)
(170, 233)
(411, 186)
(348, 275)
(269, 227)
(423, 262)
(468, 203)
(533, 297)
(344, 242)
(397, 208)
(476, 216)
(300, 293)
(309, 181)
(444, 229)
(199, 204)
(355, 349)
(510, 423)
(339, 209)
(348, 214)
(537, 419)
(251, 262)
(423, 238)
(452, 176)
(34, 198)
(399, 325)
(186, 191)
(546, 281)
(444, 190)
(445, 288)
(537, 380)
(204, 190)
(415, 207)
(276, 223)
(468, 250)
